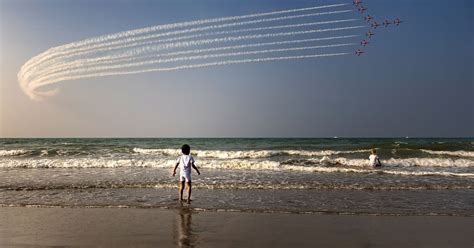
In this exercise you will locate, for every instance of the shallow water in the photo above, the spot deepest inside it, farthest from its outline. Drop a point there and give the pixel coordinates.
(419, 176)
(395, 202)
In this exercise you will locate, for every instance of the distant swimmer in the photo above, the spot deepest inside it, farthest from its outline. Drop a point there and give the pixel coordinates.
(374, 160)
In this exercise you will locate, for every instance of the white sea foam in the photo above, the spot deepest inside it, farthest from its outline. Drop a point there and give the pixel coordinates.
(413, 167)
(369, 170)
(402, 162)
(4, 153)
(451, 153)
(84, 163)
(242, 154)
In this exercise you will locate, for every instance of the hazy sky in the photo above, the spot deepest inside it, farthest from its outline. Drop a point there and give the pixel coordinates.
(414, 80)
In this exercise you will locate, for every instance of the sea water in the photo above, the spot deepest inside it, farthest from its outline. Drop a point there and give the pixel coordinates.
(419, 176)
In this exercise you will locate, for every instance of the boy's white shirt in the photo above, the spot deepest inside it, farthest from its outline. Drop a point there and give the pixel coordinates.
(185, 163)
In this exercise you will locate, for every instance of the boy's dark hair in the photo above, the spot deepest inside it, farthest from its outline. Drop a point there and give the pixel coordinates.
(185, 149)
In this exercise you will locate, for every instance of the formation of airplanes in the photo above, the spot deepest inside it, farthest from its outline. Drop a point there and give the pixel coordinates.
(386, 23)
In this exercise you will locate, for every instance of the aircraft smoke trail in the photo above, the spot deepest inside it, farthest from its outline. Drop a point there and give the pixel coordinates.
(229, 39)
(126, 57)
(188, 66)
(31, 91)
(185, 58)
(260, 29)
(148, 49)
(64, 50)
(135, 41)
(136, 32)
(163, 48)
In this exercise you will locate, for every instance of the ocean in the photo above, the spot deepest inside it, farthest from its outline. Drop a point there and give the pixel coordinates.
(420, 176)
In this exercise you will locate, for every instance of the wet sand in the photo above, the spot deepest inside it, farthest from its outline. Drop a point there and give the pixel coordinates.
(182, 227)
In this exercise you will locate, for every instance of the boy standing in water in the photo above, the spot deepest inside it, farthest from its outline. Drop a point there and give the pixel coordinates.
(374, 160)
(185, 162)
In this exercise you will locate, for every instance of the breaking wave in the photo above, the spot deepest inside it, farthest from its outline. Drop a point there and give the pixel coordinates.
(243, 154)
(408, 166)
(451, 153)
(4, 153)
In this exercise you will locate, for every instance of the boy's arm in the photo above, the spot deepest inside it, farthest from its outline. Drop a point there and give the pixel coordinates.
(194, 166)
(175, 167)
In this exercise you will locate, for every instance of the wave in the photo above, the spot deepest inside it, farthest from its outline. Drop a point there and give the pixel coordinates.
(124, 152)
(411, 166)
(4, 153)
(244, 154)
(377, 171)
(65, 152)
(402, 162)
(451, 153)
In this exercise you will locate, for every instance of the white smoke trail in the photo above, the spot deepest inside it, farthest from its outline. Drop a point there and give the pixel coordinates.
(136, 40)
(28, 76)
(65, 50)
(39, 95)
(163, 48)
(126, 57)
(177, 59)
(81, 61)
(136, 32)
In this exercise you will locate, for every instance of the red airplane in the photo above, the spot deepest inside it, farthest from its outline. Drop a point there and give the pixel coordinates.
(386, 23)
(364, 43)
(362, 9)
(359, 52)
(397, 21)
(368, 18)
(369, 34)
(375, 25)
(357, 2)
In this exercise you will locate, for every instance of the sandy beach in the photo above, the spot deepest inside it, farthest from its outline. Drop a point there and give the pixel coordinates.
(184, 227)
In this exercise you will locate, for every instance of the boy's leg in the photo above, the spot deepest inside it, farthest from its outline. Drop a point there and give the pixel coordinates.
(181, 188)
(188, 188)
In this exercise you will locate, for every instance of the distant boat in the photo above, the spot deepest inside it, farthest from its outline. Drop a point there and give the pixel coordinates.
(407, 137)
(335, 137)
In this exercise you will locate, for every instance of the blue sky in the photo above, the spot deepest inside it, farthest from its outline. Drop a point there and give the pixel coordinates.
(414, 80)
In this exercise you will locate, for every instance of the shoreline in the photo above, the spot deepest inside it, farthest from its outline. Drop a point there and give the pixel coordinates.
(245, 211)
(185, 227)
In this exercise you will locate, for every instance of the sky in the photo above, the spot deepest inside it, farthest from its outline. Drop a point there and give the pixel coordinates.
(415, 80)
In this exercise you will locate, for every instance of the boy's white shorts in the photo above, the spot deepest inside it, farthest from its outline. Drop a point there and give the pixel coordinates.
(185, 177)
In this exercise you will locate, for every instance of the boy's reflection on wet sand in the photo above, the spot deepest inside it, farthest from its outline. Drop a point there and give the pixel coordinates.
(184, 235)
